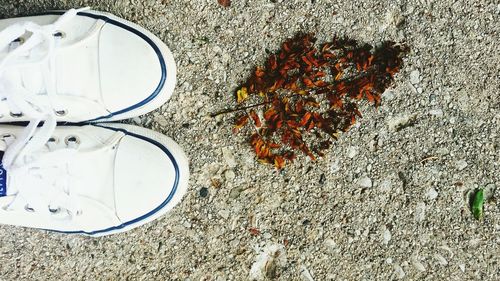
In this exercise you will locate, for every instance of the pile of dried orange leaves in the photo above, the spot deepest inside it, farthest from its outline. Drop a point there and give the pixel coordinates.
(305, 96)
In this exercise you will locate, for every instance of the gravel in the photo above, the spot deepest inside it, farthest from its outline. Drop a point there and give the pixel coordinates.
(437, 129)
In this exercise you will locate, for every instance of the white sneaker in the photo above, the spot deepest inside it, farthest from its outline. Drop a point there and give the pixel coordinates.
(92, 180)
(81, 65)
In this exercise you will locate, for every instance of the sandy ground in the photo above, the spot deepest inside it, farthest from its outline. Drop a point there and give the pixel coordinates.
(384, 204)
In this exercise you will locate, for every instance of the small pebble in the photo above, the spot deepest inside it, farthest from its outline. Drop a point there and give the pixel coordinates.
(305, 274)
(489, 191)
(440, 259)
(385, 185)
(330, 243)
(365, 182)
(432, 194)
(229, 175)
(397, 123)
(322, 179)
(461, 164)
(234, 193)
(394, 18)
(386, 236)
(229, 157)
(420, 212)
(335, 166)
(415, 77)
(352, 152)
(204, 192)
(436, 112)
(136, 120)
(417, 264)
(224, 214)
(399, 271)
(235, 242)
(462, 267)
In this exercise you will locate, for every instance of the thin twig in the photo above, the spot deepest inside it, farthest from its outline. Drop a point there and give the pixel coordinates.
(429, 158)
(238, 109)
(349, 79)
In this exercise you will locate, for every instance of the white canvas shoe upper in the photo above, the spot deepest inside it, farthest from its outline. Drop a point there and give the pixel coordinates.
(81, 65)
(93, 180)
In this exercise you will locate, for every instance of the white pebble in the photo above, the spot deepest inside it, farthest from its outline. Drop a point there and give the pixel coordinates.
(418, 265)
(397, 122)
(352, 151)
(386, 236)
(415, 77)
(385, 186)
(224, 213)
(330, 243)
(229, 175)
(432, 194)
(462, 267)
(440, 259)
(436, 112)
(420, 212)
(399, 271)
(335, 166)
(229, 157)
(305, 274)
(365, 182)
(235, 242)
(393, 18)
(461, 164)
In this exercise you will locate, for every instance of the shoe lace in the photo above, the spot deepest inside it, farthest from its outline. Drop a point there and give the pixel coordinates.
(44, 40)
(43, 184)
(39, 179)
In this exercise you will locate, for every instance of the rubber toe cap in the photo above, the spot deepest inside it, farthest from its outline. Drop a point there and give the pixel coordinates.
(130, 68)
(146, 179)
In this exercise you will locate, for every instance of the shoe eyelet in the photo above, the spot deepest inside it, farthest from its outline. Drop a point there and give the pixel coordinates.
(52, 140)
(16, 115)
(54, 211)
(61, 112)
(28, 208)
(5, 136)
(72, 140)
(19, 40)
(59, 34)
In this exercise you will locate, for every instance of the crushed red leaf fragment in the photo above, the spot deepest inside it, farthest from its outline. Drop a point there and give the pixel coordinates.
(224, 3)
(305, 95)
(254, 231)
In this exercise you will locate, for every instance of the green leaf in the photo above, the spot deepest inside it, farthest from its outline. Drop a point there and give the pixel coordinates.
(477, 204)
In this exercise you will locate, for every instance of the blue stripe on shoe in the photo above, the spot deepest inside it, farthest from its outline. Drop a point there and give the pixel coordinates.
(3, 177)
(143, 36)
(152, 212)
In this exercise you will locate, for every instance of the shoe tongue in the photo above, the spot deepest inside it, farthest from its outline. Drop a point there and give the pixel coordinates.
(3, 176)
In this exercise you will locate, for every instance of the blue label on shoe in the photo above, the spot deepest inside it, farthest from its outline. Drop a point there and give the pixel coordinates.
(3, 177)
